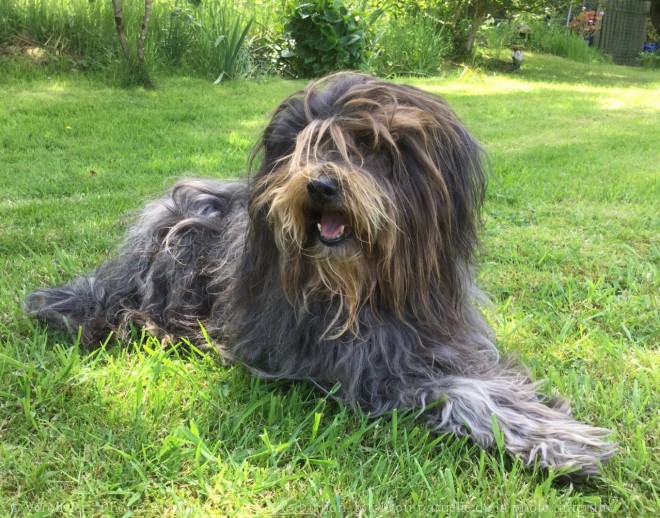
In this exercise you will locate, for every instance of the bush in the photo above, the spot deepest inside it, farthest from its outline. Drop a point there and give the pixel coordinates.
(543, 36)
(328, 37)
(411, 45)
(201, 37)
(650, 59)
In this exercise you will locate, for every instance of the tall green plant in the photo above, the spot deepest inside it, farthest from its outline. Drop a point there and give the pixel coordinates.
(228, 46)
(551, 38)
(220, 41)
(411, 45)
(177, 33)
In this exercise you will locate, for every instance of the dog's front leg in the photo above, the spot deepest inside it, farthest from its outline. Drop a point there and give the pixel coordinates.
(536, 429)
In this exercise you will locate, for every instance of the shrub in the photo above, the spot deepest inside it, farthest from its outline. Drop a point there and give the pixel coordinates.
(548, 37)
(328, 37)
(650, 59)
(411, 45)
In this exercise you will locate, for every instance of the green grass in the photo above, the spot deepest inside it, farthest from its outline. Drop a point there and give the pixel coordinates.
(571, 256)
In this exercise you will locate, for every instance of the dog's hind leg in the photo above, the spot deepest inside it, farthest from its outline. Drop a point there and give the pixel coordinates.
(160, 279)
(538, 430)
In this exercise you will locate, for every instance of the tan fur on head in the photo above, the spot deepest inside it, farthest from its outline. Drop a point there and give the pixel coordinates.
(344, 272)
(360, 147)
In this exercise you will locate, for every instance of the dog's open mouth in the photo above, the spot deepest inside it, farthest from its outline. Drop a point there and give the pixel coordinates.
(333, 227)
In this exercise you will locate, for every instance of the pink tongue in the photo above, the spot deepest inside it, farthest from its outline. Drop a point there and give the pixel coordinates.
(331, 225)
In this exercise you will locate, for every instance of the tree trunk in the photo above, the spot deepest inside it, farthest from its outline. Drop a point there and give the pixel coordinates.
(143, 32)
(458, 10)
(655, 15)
(477, 21)
(118, 7)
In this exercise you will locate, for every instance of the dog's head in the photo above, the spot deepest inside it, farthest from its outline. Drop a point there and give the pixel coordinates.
(370, 191)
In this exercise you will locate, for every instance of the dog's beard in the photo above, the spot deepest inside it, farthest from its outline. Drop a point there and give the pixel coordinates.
(333, 252)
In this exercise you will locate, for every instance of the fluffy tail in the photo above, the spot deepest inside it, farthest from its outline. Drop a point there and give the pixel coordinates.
(166, 276)
(82, 304)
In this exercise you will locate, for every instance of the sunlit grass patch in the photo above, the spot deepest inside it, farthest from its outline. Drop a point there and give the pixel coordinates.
(570, 259)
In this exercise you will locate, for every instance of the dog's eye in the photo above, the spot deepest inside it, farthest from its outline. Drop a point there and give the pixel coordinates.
(379, 164)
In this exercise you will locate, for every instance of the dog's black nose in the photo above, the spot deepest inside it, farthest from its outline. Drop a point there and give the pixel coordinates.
(323, 190)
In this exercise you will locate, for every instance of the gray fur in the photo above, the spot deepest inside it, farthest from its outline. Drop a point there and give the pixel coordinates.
(206, 255)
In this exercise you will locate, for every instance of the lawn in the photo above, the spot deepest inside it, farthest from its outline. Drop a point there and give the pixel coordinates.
(571, 256)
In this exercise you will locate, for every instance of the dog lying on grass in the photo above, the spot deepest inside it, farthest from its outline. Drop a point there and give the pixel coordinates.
(347, 258)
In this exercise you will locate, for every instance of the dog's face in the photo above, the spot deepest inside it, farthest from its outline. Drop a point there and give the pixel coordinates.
(326, 199)
(369, 190)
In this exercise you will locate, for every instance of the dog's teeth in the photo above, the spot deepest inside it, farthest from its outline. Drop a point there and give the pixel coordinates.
(318, 225)
(341, 230)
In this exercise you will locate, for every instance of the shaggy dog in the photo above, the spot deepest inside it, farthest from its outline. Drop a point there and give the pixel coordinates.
(346, 258)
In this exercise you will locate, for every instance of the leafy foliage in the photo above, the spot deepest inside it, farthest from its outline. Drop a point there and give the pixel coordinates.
(650, 59)
(227, 39)
(328, 36)
(412, 46)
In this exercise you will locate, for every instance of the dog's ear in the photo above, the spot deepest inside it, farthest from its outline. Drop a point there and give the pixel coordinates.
(439, 183)
(279, 138)
(437, 146)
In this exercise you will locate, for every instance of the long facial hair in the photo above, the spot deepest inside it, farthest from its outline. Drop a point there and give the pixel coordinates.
(411, 183)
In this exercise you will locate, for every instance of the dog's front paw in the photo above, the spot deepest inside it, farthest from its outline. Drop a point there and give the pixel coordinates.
(567, 445)
(507, 410)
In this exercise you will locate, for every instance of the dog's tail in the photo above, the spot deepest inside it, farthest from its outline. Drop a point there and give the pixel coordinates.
(107, 301)
(166, 275)
(83, 305)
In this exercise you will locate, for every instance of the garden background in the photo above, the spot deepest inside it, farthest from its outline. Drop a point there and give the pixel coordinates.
(570, 258)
